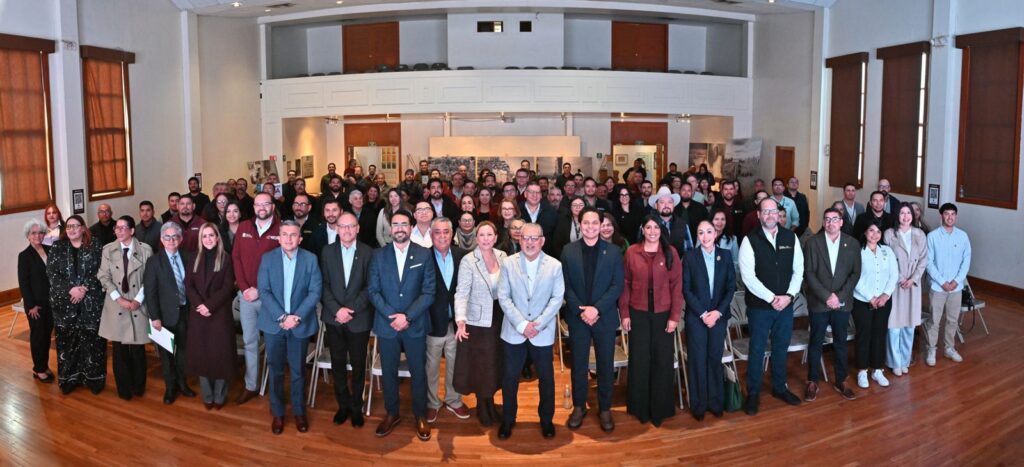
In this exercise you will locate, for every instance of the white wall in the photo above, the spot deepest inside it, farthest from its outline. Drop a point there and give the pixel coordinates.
(323, 49)
(588, 42)
(416, 136)
(542, 47)
(230, 103)
(725, 47)
(304, 137)
(423, 41)
(687, 46)
(288, 51)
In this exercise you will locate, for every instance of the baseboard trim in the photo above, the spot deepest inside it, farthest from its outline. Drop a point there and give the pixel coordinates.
(1003, 290)
(8, 297)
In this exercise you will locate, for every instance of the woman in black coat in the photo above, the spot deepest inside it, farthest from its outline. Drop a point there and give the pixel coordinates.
(77, 303)
(35, 292)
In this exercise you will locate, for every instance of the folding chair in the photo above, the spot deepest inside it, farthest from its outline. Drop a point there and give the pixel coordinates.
(19, 309)
(563, 333)
(975, 308)
(620, 359)
(728, 358)
(378, 372)
(677, 364)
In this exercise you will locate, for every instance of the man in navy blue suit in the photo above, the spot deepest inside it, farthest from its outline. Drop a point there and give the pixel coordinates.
(402, 287)
(289, 284)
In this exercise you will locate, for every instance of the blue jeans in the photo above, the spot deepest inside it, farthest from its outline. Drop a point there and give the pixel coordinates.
(767, 323)
(284, 348)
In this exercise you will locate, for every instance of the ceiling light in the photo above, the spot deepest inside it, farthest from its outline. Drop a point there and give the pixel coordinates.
(771, 1)
(339, 2)
(236, 4)
(268, 10)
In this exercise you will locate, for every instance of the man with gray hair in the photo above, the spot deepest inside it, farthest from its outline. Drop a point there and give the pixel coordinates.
(166, 303)
(441, 338)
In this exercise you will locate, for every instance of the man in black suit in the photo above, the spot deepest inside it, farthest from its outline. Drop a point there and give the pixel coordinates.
(875, 215)
(164, 282)
(442, 205)
(347, 315)
(198, 197)
(831, 271)
(538, 212)
(103, 230)
(441, 338)
(590, 196)
(326, 231)
(300, 213)
(172, 206)
(793, 192)
(366, 217)
(689, 211)
(593, 282)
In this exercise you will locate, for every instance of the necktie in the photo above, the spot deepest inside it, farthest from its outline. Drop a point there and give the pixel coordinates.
(124, 280)
(178, 278)
(688, 243)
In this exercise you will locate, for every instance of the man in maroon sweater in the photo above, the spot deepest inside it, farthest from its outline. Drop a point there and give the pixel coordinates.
(253, 238)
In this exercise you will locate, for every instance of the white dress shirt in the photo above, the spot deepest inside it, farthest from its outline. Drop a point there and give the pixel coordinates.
(749, 277)
(400, 259)
(421, 239)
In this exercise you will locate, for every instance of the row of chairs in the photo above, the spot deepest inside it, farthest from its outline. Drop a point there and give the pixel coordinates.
(384, 68)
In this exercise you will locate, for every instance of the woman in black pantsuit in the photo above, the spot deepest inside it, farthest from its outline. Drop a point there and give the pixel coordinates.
(35, 291)
(709, 282)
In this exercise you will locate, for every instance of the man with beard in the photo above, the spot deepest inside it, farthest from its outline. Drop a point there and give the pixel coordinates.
(325, 181)
(103, 230)
(590, 196)
(646, 189)
(245, 202)
(689, 211)
(326, 232)
(786, 204)
(793, 192)
(555, 197)
(198, 197)
(734, 211)
(253, 238)
(876, 215)
(411, 186)
(172, 206)
(442, 205)
(335, 191)
(892, 203)
(424, 173)
(673, 227)
(307, 225)
(190, 224)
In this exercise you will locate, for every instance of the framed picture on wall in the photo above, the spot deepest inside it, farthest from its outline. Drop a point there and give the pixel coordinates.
(933, 196)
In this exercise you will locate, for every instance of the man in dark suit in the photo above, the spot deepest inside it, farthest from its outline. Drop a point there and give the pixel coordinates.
(851, 208)
(875, 215)
(592, 270)
(538, 212)
(590, 196)
(326, 231)
(442, 205)
(690, 211)
(103, 230)
(347, 315)
(401, 289)
(831, 271)
(164, 282)
(793, 192)
(366, 217)
(300, 213)
(892, 203)
(289, 287)
(441, 339)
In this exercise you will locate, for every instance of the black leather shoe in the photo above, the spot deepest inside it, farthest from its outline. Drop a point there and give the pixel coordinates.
(576, 418)
(277, 425)
(340, 416)
(527, 373)
(787, 397)
(505, 431)
(751, 406)
(187, 391)
(607, 422)
(301, 423)
(357, 419)
(169, 396)
(698, 416)
(717, 414)
(547, 429)
(96, 389)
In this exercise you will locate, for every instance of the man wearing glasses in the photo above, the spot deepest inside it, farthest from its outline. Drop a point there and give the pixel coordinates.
(103, 230)
(166, 304)
(537, 212)
(420, 232)
(772, 268)
(253, 238)
(530, 292)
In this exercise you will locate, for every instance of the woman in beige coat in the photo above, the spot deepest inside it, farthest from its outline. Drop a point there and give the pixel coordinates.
(910, 245)
(124, 321)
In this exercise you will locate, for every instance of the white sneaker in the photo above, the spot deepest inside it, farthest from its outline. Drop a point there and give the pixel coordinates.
(862, 379)
(952, 354)
(897, 371)
(879, 378)
(929, 359)
(906, 370)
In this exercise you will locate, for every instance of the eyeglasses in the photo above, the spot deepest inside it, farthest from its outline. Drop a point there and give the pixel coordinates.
(399, 224)
(422, 209)
(351, 226)
(533, 192)
(532, 238)
(170, 238)
(263, 205)
(769, 212)
(832, 220)
(73, 226)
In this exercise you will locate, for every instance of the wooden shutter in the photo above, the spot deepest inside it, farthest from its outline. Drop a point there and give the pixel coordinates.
(846, 135)
(904, 116)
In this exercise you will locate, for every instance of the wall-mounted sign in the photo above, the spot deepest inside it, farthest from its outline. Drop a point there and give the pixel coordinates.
(78, 201)
(814, 180)
(933, 196)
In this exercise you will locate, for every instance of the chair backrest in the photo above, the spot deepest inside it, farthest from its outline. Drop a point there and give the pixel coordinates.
(738, 308)
(799, 305)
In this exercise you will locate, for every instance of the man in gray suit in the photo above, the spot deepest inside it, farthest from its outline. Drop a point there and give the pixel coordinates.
(851, 208)
(831, 271)
(530, 292)
(347, 315)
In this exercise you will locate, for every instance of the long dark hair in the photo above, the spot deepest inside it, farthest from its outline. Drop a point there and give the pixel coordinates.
(666, 249)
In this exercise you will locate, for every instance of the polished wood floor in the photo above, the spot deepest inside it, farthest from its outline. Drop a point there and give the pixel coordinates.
(953, 414)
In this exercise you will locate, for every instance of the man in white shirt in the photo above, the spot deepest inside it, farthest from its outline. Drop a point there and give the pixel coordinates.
(423, 213)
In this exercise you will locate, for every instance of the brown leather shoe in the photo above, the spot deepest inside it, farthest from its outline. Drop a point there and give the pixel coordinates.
(246, 396)
(388, 425)
(301, 423)
(461, 412)
(277, 426)
(422, 429)
(576, 417)
(845, 391)
(607, 422)
(811, 392)
(431, 415)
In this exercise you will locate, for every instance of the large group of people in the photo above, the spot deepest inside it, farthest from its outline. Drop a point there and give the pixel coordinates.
(480, 276)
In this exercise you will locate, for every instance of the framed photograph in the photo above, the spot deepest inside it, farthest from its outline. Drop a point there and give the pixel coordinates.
(814, 180)
(78, 201)
(933, 196)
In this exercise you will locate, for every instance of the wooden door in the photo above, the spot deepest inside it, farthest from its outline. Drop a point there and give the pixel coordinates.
(380, 134)
(639, 46)
(650, 133)
(365, 46)
(785, 158)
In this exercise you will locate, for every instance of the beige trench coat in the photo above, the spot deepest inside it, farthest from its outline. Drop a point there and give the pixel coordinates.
(906, 303)
(118, 324)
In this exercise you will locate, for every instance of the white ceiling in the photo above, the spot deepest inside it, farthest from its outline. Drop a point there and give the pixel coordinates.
(259, 8)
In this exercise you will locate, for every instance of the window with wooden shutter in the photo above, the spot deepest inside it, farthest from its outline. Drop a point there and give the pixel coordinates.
(846, 133)
(904, 116)
(107, 104)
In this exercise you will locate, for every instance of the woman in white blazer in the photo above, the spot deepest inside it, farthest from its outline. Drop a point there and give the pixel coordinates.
(871, 305)
(478, 361)
(910, 244)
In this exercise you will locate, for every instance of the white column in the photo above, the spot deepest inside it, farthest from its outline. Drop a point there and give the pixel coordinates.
(944, 106)
(193, 115)
(66, 107)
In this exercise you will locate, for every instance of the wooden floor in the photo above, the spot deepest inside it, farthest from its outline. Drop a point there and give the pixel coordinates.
(955, 414)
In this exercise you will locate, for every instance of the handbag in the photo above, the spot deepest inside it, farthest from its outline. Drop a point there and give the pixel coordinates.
(733, 398)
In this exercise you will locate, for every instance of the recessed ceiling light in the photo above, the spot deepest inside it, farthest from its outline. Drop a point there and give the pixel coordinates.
(236, 4)
(268, 10)
(339, 2)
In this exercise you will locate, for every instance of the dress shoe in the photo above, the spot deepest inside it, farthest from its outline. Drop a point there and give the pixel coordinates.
(844, 391)
(218, 406)
(46, 378)
(387, 425)
(208, 405)
(169, 396)
(96, 390)
(277, 425)
(301, 423)
(483, 414)
(187, 391)
(461, 412)
(422, 429)
(576, 418)
(340, 416)
(607, 422)
(357, 419)
(67, 389)
(698, 416)
(811, 392)
(246, 396)
(717, 414)
(787, 397)
(505, 431)
(753, 402)
(547, 430)
(431, 415)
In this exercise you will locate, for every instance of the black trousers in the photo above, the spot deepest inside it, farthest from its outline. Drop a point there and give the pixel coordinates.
(39, 331)
(581, 335)
(872, 334)
(347, 347)
(515, 358)
(173, 364)
(650, 367)
(129, 369)
(704, 349)
(840, 322)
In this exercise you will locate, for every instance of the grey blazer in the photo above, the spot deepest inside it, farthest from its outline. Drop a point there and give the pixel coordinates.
(474, 302)
(522, 305)
(819, 282)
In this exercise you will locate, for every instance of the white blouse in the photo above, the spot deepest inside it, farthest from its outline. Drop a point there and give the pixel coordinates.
(879, 273)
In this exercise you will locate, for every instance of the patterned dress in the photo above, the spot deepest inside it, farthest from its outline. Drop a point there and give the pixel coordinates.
(81, 352)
